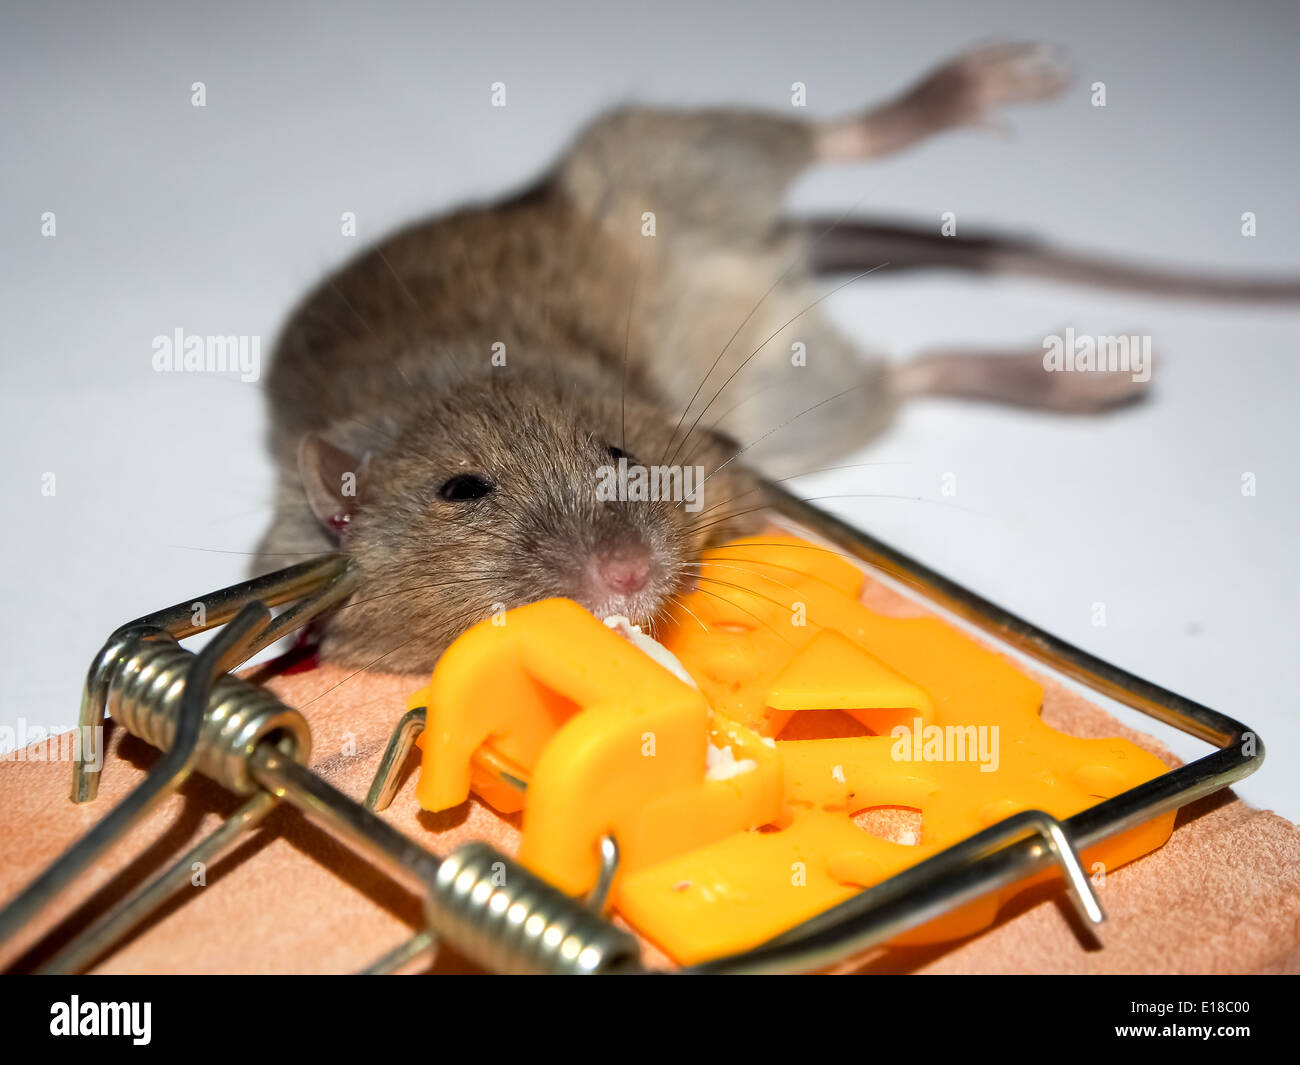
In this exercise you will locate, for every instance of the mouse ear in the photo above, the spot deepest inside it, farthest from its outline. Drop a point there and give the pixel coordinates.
(333, 480)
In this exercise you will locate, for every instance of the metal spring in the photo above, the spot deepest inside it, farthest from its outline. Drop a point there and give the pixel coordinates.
(144, 696)
(498, 913)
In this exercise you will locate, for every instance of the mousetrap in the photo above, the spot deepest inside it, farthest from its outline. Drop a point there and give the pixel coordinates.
(625, 841)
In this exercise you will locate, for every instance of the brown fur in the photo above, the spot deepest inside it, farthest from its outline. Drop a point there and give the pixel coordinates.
(673, 345)
(392, 357)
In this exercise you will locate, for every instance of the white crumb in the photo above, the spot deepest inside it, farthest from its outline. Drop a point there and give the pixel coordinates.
(638, 639)
(723, 763)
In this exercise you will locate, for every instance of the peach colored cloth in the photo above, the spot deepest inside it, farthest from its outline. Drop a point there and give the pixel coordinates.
(1223, 896)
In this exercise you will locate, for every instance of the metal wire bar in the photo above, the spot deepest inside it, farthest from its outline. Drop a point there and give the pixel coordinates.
(421, 947)
(969, 870)
(924, 891)
(330, 578)
(349, 822)
(167, 775)
(1200, 721)
(961, 873)
(506, 918)
(481, 902)
(114, 925)
(490, 907)
(388, 776)
(608, 870)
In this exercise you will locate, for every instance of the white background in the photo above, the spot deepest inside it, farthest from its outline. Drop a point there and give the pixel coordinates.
(216, 219)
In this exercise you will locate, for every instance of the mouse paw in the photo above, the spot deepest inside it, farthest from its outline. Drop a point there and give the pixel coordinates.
(1076, 390)
(966, 89)
(1094, 392)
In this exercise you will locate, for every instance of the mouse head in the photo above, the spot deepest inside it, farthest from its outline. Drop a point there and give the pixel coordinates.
(500, 493)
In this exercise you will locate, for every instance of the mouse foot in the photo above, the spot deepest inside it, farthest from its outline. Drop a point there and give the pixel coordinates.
(1043, 379)
(963, 92)
(966, 89)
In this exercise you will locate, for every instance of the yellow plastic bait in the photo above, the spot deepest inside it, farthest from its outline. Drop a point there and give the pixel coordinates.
(899, 714)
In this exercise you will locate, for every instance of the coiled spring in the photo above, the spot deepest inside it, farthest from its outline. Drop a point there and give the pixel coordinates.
(144, 696)
(498, 913)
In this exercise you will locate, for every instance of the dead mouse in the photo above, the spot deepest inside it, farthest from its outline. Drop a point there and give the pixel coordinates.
(452, 407)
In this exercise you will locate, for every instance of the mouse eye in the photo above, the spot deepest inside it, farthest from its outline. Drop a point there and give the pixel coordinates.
(464, 487)
(617, 453)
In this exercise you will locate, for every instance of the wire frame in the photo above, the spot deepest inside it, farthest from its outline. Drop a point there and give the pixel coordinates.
(205, 719)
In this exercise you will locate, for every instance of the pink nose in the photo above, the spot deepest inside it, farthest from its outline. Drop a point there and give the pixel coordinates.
(624, 571)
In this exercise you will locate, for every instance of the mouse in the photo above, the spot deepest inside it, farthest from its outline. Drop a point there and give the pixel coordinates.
(578, 390)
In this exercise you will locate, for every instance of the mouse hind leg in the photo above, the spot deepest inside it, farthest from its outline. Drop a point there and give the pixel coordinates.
(1024, 378)
(732, 337)
(964, 91)
(811, 397)
(721, 175)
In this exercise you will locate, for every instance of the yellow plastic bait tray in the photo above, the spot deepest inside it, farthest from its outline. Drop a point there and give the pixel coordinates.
(911, 713)
(814, 779)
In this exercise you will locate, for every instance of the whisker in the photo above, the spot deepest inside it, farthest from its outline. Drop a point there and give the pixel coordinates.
(410, 296)
(774, 565)
(796, 476)
(677, 602)
(700, 527)
(725, 348)
(754, 443)
(742, 569)
(627, 341)
(419, 588)
(729, 412)
(401, 284)
(261, 508)
(724, 599)
(774, 335)
(329, 280)
(350, 676)
(798, 258)
(747, 591)
(254, 554)
(798, 546)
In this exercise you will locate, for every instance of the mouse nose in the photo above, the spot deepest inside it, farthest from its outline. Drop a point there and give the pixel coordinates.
(624, 570)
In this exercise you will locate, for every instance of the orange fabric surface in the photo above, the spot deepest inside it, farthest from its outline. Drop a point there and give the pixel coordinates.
(1223, 896)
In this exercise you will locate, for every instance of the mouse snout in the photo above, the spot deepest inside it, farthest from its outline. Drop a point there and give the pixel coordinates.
(624, 569)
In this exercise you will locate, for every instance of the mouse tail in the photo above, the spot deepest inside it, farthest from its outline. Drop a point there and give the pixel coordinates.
(851, 246)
